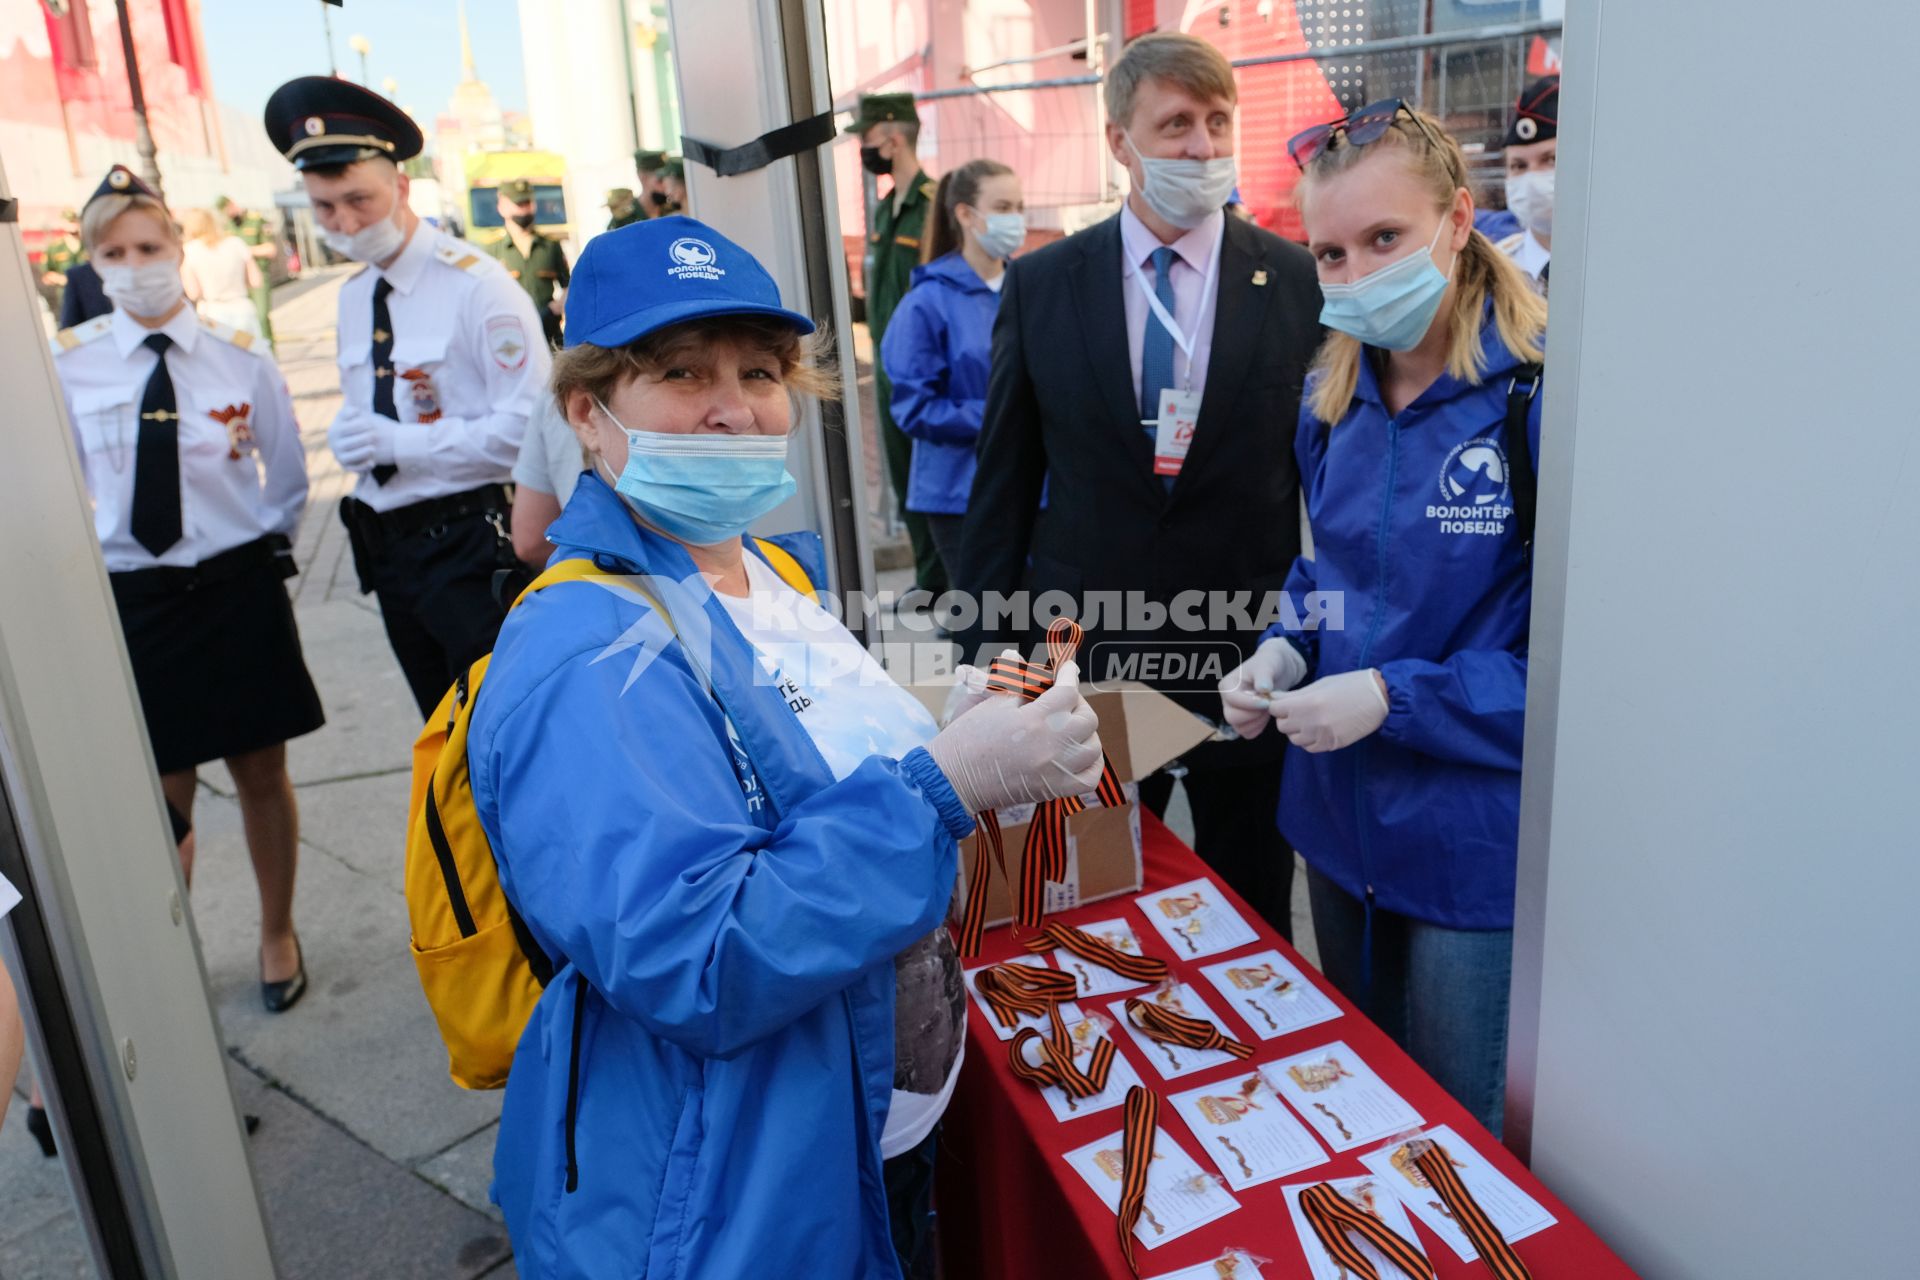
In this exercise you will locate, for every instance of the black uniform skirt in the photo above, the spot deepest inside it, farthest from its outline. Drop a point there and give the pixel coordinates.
(216, 656)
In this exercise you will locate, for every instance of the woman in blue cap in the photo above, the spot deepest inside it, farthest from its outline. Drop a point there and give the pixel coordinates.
(722, 820)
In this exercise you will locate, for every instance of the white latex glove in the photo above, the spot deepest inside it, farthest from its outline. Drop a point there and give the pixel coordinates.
(1332, 712)
(361, 441)
(969, 689)
(1005, 751)
(1246, 692)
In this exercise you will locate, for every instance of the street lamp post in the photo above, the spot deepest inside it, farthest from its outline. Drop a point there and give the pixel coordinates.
(326, 24)
(362, 46)
(142, 136)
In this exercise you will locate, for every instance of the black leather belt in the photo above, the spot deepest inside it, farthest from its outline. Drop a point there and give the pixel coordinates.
(425, 515)
(269, 551)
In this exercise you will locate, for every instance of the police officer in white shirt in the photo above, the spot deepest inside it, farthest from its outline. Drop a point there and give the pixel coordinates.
(441, 361)
(1533, 139)
(192, 457)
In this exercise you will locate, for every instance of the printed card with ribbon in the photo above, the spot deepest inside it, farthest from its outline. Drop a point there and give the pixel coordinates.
(1234, 1264)
(1085, 1034)
(1177, 1032)
(1510, 1211)
(1105, 958)
(1341, 1096)
(1270, 994)
(1247, 1131)
(1370, 1199)
(1180, 1195)
(1036, 1019)
(1196, 919)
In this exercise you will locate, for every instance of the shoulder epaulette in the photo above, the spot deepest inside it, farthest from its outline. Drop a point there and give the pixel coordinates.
(1511, 245)
(81, 334)
(928, 187)
(227, 333)
(459, 256)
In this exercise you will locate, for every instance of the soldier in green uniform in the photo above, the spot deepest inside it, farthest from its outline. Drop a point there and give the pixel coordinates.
(63, 253)
(888, 127)
(539, 264)
(673, 188)
(622, 208)
(252, 228)
(653, 191)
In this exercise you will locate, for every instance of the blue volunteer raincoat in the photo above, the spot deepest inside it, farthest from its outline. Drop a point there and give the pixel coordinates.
(937, 351)
(1412, 522)
(702, 1087)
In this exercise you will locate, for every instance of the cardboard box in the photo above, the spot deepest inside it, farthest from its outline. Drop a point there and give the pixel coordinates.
(1141, 730)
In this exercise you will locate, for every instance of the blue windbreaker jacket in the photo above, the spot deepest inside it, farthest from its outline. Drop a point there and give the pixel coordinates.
(937, 350)
(701, 1090)
(1411, 520)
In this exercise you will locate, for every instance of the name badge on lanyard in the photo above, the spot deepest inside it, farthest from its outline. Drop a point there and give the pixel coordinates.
(1179, 406)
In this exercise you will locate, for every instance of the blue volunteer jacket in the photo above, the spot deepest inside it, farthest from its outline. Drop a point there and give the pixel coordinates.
(1412, 524)
(937, 351)
(703, 1084)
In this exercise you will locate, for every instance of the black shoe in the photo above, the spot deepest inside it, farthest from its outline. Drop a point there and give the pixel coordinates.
(282, 996)
(42, 1130)
(253, 1124)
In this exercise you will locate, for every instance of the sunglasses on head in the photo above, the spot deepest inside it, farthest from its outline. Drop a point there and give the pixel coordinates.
(1369, 124)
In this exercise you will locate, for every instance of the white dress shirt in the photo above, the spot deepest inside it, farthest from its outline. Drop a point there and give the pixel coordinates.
(1193, 259)
(1527, 253)
(467, 347)
(243, 472)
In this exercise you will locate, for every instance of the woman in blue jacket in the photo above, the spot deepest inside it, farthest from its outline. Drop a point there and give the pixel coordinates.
(938, 346)
(1402, 790)
(718, 816)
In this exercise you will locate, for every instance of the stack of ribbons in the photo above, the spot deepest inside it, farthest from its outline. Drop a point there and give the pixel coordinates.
(1010, 990)
(1045, 856)
(1336, 1219)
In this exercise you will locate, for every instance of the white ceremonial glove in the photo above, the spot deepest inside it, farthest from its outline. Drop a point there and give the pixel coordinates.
(1246, 692)
(361, 441)
(1332, 712)
(969, 689)
(1005, 751)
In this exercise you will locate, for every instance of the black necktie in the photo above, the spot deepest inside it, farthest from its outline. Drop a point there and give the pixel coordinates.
(383, 368)
(156, 459)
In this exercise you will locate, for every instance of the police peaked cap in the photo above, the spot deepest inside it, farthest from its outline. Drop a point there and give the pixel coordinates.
(122, 181)
(880, 108)
(1536, 117)
(318, 121)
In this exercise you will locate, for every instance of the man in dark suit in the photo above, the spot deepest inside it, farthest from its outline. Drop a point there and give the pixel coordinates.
(1148, 370)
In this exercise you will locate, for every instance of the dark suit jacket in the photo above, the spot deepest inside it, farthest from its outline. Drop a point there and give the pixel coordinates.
(84, 298)
(1061, 409)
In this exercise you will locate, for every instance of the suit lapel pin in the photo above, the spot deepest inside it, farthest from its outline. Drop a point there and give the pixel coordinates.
(1259, 278)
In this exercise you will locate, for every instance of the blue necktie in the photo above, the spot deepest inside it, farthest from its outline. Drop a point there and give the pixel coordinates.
(1156, 347)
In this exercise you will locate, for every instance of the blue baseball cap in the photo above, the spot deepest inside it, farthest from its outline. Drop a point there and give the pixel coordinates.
(647, 275)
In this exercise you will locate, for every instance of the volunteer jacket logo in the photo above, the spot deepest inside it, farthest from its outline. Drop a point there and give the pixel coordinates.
(1474, 497)
(693, 260)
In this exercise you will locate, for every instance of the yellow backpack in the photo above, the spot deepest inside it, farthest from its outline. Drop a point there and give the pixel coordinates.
(479, 966)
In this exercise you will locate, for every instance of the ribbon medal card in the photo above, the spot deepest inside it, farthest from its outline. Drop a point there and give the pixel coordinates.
(1233, 1265)
(1094, 979)
(1038, 1021)
(1181, 1196)
(1175, 1059)
(1341, 1097)
(1367, 1195)
(1195, 919)
(1271, 995)
(1085, 1033)
(1246, 1130)
(1513, 1212)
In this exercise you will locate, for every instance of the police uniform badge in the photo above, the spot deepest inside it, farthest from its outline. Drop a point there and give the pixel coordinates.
(507, 342)
(238, 420)
(423, 394)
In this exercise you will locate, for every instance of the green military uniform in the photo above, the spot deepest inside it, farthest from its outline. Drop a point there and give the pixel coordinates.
(619, 198)
(61, 255)
(252, 228)
(540, 270)
(675, 168)
(893, 251)
(648, 164)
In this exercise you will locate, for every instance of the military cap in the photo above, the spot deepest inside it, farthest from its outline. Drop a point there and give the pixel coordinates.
(619, 195)
(645, 161)
(879, 108)
(69, 215)
(675, 167)
(317, 121)
(122, 181)
(1536, 117)
(516, 190)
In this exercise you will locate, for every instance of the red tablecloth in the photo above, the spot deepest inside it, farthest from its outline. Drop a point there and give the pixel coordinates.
(1011, 1207)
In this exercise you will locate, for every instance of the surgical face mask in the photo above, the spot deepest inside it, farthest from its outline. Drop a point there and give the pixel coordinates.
(1004, 233)
(375, 242)
(523, 220)
(702, 489)
(659, 198)
(149, 290)
(1185, 192)
(1530, 197)
(1393, 307)
(873, 162)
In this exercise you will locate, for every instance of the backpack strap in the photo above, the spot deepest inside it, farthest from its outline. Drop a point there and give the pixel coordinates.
(784, 564)
(1521, 390)
(565, 571)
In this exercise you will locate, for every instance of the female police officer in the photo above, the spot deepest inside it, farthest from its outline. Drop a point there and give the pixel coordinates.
(192, 456)
(717, 814)
(1402, 791)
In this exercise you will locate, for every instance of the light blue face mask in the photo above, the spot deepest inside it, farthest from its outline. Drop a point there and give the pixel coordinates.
(702, 489)
(1393, 307)
(1004, 233)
